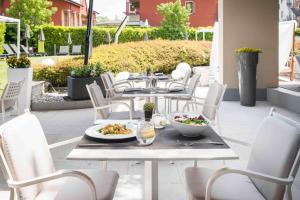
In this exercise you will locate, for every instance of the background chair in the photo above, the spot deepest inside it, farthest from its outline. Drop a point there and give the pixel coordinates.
(211, 104)
(10, 95)
(63, 50)
(102, 105)
(180, 76)
(120, 82)
(191, 88)
(25, 49)
(9, 51)
(272, 167)
(76, 50)
(30, 172)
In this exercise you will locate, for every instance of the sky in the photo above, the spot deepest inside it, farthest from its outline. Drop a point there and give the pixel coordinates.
(110, 8)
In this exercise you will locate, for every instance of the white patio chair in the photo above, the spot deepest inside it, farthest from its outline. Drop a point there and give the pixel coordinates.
(9, 98)
(63, 50)
(211, 104)
(30, 172)
(271, 170)
(117, 85)
(180, 76)
(76, 50)
(102, 105)
(191, 88)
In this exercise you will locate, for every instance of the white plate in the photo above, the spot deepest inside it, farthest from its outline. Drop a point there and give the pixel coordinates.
(94, 130)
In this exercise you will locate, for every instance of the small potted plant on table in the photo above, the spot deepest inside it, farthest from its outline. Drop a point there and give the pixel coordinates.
(80, 77)
(247, 60)
(148, 110)
(19, 69)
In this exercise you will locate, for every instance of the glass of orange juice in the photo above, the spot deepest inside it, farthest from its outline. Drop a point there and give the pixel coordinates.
(145, 133)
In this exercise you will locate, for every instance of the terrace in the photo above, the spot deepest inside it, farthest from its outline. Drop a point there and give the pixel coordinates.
(153, 165)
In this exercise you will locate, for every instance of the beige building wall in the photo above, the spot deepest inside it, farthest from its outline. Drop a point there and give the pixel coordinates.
(245, 23)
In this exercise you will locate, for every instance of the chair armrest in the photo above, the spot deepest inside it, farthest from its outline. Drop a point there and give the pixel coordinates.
(65, 142)
(53, 176)
(200, 104)
(122, 83)
(252, 174)
(175, 83)
(115, 104)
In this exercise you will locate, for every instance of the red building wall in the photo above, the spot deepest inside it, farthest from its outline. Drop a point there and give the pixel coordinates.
(62, 7)
(205, 12)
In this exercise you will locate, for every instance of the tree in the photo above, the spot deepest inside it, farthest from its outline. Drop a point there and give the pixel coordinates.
(31, 12)
(175, 21)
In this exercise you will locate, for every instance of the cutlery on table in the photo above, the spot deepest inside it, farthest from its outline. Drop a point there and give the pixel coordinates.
(199, 142)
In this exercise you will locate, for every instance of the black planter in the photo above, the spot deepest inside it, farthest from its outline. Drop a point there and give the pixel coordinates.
(247, 78)
(148, 115)
(77, 89)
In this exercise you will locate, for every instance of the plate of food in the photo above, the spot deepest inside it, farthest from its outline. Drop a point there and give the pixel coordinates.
(113, 130)
(189, 124)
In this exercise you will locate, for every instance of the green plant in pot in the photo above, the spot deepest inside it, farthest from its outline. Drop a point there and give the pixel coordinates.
(82, 76)
(247, 59)
(22, 62)
(148, 110)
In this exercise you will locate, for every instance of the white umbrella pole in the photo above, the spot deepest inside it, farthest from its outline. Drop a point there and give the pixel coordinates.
(18, 39)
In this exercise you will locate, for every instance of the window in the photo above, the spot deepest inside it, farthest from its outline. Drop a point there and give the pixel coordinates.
(191, 6)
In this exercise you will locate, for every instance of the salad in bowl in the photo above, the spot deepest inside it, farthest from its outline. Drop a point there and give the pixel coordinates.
(189, 124)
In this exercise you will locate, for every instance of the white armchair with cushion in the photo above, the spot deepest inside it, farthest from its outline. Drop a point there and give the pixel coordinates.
(271, 170)
(30, 173)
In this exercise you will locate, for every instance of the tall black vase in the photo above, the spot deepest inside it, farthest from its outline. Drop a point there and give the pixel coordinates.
(247, 78)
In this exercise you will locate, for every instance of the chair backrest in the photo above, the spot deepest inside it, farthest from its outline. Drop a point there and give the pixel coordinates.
(111, 77)
(12, 91)
(274, 152)
(64, 49)
(214, 97)
(122, 76)
(98, 100)
(14, 48)
(183, 67)
(76, 49)
(186, 77)
(192, 85)
(25, 49)
(8, 49)
(24, 152)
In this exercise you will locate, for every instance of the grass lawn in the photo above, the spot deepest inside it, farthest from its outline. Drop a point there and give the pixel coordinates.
(34, 60)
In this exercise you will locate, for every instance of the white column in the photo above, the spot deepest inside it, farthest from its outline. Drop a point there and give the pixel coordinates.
(245, 23)
(62, 17)
(69, 17)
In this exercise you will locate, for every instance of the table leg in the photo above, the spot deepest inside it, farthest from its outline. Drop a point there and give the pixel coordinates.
(151, 180)
(156, 103)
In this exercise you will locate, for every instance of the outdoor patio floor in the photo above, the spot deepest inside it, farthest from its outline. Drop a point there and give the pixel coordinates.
(237, 122)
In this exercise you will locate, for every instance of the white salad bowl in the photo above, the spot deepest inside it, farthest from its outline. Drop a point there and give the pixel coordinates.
(188, 130)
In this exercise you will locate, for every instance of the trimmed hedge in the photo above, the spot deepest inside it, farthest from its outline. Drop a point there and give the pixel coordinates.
(58, 35)
(159, 55)
(2, 36)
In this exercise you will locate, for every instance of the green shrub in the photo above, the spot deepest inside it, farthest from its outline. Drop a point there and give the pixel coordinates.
(2, 36)
(57, 35)
(86, 71)
(159, 55)
(247, 50)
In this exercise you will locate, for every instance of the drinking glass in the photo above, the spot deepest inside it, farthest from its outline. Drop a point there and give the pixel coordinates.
(145, 133)
(159, 120)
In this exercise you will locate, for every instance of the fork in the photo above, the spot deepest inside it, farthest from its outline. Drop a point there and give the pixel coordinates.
(198, 142)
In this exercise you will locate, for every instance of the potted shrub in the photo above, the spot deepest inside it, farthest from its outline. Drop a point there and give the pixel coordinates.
(148, 110)
(80, 77)
(248, 60)
(19, 69)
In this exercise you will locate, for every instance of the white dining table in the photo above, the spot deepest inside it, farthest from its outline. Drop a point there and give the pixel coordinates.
(151, 157)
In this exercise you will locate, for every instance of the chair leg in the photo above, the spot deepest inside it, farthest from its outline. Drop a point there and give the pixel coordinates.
(177, 105)
(288, 192)
(11, 194)
(3, 111)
